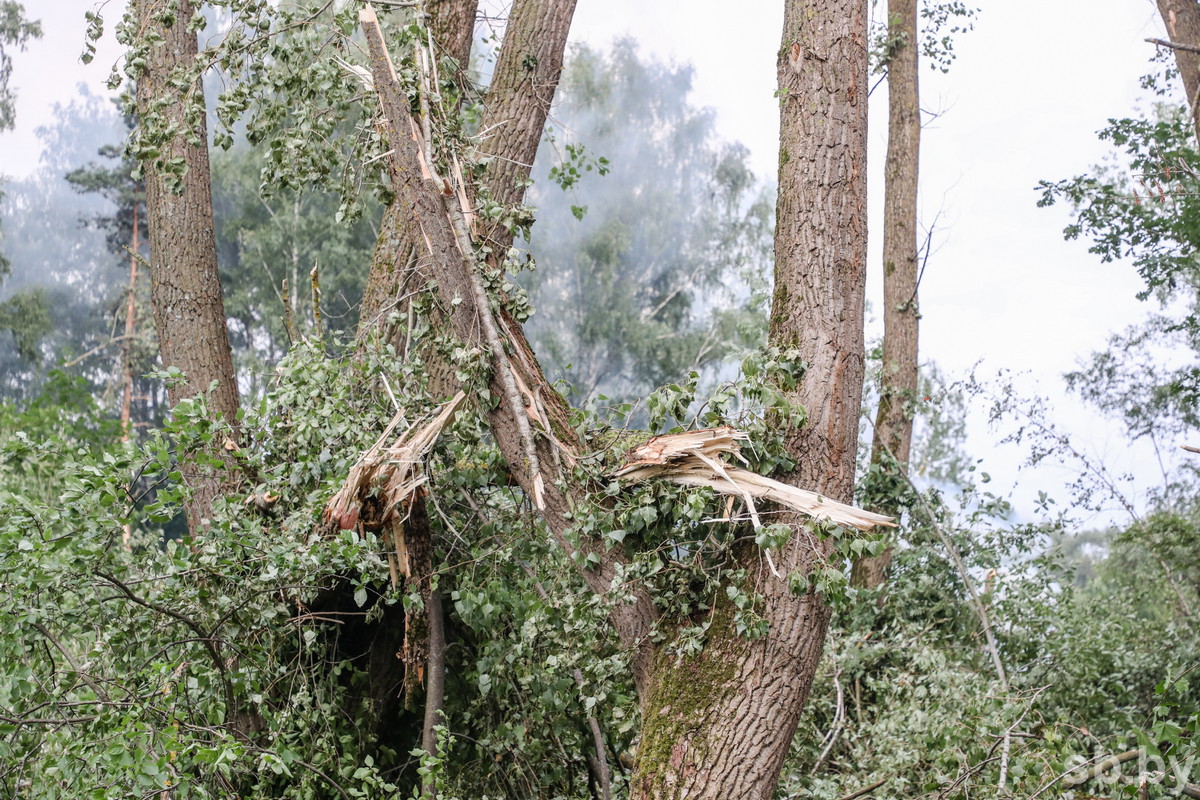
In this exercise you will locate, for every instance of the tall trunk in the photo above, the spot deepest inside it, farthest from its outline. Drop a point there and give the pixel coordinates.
(719, 724)
(1182, 20)
(523, 86)
(514, 116)
(185, 288)
(892, 440)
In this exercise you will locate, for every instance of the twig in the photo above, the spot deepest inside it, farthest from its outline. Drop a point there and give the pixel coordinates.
(866, 790)
(289, 318)
(1008, 734)
(1187, 48)
(204, 637)
(103, 695)
(598, 743)
(839, 721)
(98, 348)
(316, 301)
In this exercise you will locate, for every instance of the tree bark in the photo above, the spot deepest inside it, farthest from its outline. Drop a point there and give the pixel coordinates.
(392, 281)
(513, 119)
(452, 23)
(892, 440)
(1182, 20)
(127, 355)
(185, 287)
(719, 725)
(523, 87)
(533, 433)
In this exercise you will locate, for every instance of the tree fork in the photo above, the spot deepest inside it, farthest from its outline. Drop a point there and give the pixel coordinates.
(452, 266)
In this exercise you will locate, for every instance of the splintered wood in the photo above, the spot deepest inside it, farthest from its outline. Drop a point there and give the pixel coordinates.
(695, 458)
(385, 478)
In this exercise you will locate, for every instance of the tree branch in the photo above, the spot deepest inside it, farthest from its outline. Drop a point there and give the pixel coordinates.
(206, 638)
(1187, 48)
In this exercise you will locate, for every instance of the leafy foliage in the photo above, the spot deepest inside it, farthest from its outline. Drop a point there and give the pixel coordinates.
(16, 29)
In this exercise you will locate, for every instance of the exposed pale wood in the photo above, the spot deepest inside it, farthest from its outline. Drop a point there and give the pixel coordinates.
(451, 265)
(694, 458)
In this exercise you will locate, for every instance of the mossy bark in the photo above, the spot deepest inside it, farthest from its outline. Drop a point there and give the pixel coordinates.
(719, 725)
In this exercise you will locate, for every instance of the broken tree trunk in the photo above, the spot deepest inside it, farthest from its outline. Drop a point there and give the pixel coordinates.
(530, 422)
(717, 724)
(513, 119)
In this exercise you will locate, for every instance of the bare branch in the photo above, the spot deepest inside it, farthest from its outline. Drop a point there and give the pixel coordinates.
(1187, 48)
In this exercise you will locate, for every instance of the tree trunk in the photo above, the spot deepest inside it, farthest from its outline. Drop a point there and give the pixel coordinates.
(523, 86)
(719, 725)
(513, 119)
(452, 23)
(892, 440)
(1182, 20)
(531, 422)
(185, 288)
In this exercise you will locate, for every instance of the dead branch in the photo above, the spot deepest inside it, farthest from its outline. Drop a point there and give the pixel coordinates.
(866, 790)
(1187, 48)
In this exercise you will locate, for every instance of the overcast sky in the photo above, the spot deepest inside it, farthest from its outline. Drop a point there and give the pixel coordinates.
(1033, 83)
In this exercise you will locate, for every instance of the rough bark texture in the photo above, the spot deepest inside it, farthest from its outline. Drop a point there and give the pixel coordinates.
(391, 282)
(452, 23)
(514, 116)
(523, 86)
(451, 264)
(892, 440)
(185, 288)
(1182, 20)
(719, 725)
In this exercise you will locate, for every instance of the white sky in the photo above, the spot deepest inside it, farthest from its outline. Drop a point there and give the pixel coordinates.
(1033, 83)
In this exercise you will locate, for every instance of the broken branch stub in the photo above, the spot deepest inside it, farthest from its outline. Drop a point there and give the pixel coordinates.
(388, 476)
(694, 458)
